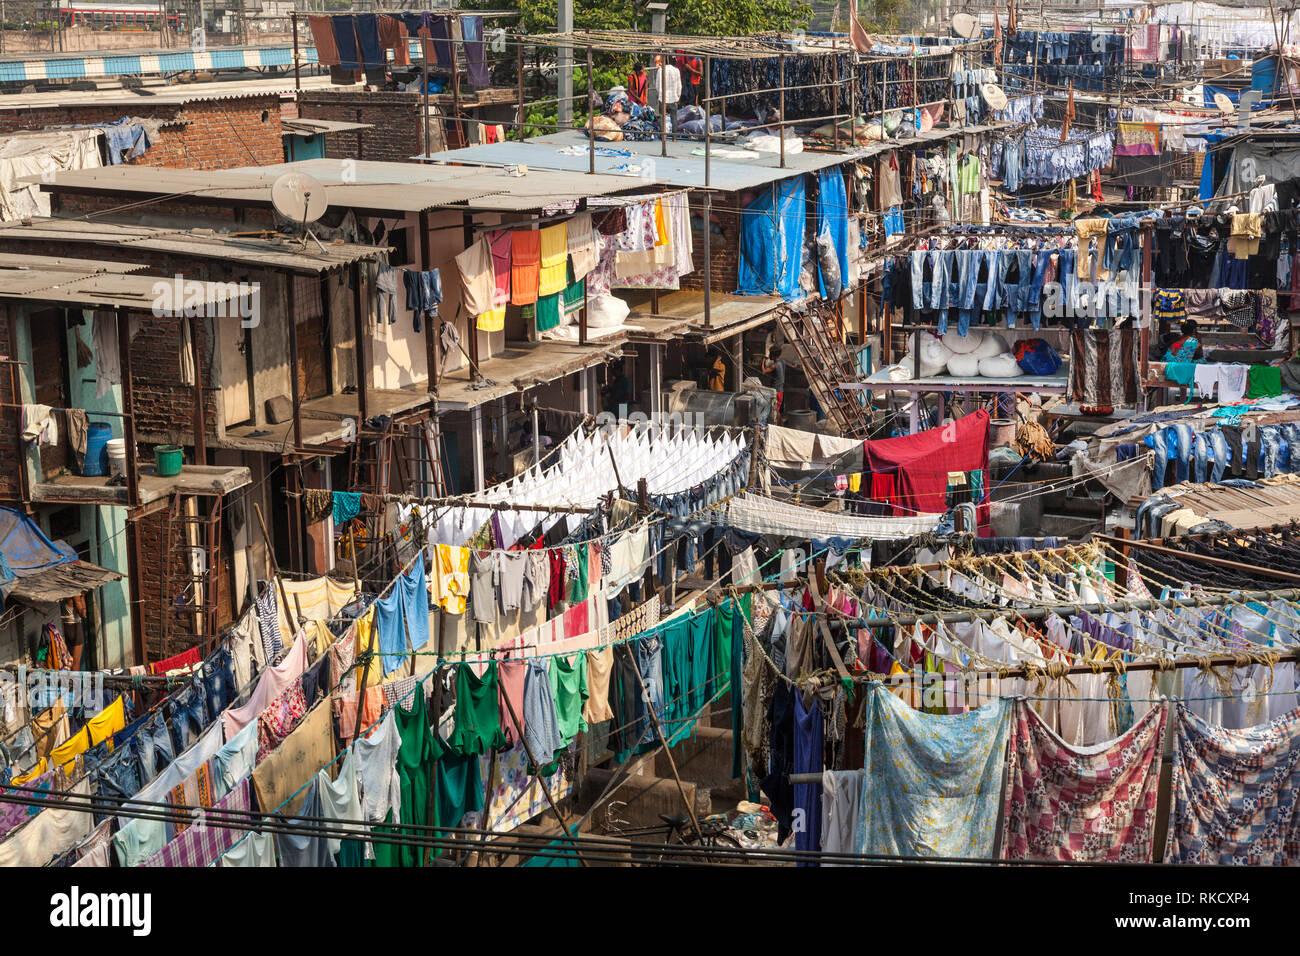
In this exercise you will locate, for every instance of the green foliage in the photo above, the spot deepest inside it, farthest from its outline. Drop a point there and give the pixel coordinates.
(697, 17)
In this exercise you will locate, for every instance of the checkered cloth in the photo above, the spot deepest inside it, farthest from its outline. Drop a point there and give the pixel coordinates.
(399, 691)
(202, 843)
(1235, 793)
(1066, 803)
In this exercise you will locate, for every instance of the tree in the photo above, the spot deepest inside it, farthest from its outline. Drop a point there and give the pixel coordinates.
(686, 17)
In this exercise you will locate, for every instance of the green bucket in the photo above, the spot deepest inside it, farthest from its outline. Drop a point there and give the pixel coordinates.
(168, 459)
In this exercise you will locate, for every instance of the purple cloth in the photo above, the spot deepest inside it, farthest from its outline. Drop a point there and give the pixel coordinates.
(440, 32)
(1103, 632)
(201, 844)
(471, 32)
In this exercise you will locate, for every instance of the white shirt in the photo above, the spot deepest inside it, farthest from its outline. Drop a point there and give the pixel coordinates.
(672, 85)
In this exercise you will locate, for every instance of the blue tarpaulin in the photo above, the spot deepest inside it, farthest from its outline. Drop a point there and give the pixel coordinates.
(24, 549)
(771, 241)
(833, 210)
(1209, 181)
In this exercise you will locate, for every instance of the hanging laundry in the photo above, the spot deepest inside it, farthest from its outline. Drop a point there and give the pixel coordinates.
(345, 39)
(476, 277)
(423, 293)
(1097, 804)
(525, 266)
(478, 715)
(322, 35)
(933, 782)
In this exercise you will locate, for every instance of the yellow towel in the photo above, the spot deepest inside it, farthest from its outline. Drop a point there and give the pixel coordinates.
(555, 255)
(661, 227)
(493, 320)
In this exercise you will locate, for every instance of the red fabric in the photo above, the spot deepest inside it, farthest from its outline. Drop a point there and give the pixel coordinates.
(920, 463)
(884, 489)
(555, 590)
(186, 658)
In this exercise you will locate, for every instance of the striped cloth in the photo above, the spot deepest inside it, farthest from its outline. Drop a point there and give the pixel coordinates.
(202, 843)
(1103, 368)
(268, 622)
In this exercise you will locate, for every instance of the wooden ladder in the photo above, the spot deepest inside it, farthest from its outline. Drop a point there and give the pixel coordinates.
(827, 363)
(190, 567)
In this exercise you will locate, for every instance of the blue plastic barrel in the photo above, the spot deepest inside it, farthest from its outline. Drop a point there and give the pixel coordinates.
(97, 436)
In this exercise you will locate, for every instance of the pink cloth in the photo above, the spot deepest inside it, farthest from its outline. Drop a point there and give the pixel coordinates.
(270, 686)
(510, 685)
(575, 620)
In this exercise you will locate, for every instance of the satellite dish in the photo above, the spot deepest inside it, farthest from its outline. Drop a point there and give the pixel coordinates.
(964, 25)
(1224, 104)
(993, 96)
(299, 197)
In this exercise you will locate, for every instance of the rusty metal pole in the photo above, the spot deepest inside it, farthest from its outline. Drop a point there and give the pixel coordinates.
(297, 70)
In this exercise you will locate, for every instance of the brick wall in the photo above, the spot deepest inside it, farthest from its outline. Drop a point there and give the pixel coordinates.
(11, 450)
(164, 406)
(724, 250)
(397, 121)
(161, 545)
(205, 134)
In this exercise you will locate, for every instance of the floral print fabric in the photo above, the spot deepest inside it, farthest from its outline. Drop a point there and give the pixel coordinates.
(280, 717)
(932, 782)
(1081, 803)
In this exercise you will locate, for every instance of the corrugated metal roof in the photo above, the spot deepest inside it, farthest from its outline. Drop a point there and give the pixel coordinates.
(174, 95)
(312, 127)
(388, 187)
(107, 290)
(286, 254)
(637, 170)
(682, 167)
(61, 582)
(22, 260)
(252, 186)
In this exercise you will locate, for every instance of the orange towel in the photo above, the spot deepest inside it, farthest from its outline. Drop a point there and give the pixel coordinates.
(322, 35)
(525, 265)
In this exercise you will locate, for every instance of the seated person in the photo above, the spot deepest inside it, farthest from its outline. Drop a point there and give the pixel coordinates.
(1186, 348)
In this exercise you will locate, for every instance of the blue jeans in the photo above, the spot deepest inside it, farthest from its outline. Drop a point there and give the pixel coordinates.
(1292, 432)
(1219, 446)
(153, 747)
(1180, 448)
(1066, 273)
(918, 279)
(189, 715)
(1200, 448)
(650, 661)
(1270, 448)
(1044, 257)
(968, 268)
(999, 260)
(1156, 441)
(1120, 242)
(1018, 295)
(118, 776)
(219, 682)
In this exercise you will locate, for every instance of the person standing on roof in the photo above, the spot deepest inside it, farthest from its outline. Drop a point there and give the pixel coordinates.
(694, 72)
(636, 85)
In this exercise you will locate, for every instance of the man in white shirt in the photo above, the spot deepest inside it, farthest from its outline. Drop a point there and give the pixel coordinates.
(672, 86)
